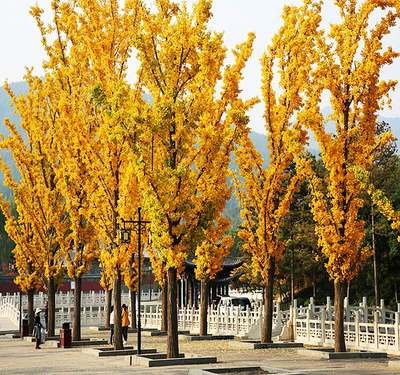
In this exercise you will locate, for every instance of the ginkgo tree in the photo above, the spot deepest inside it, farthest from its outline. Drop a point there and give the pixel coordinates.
(189, 126)
(38, 201)
(80, 243)
(348, 68)
(265, 192)
(72, 60)
(28, 265)
(110, 163)
(88, 45)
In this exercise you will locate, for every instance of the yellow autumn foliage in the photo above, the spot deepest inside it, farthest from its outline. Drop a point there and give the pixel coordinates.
(210, 253)
(188, 126)
(266, 192)
(348, 67)
(378, 198)
(88, 45)
(41, 225)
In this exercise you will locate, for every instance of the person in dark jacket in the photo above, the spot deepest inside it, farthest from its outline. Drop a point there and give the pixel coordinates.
(111, 325)
(46, 315)
(37, 329)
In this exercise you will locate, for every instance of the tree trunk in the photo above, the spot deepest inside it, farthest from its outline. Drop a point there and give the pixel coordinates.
(292, 277)
(76, 328)
(178, 292)
(31, 315)
(203, 307)
(133, 309)
(107, 307)
(51, 297)
(190, 289)
(195, 294)
(118, 344)
(213, 292)
(340, 345)
(164, 307)
(172, 342)
(187, 291)
(266, 327)
(314, 286)
(376, 289)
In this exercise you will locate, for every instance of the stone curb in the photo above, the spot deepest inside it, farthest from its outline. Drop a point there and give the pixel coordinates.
(104, 329)
(110, 352)
(154, 333)
(77, 344)
(324, 354)
(157, 333)
(9, 332)
(160, 360)
(188, 338)
(239, 370)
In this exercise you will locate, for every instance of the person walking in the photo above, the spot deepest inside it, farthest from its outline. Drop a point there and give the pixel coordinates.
(125, 322)
(37, 329)
(112, 325)
(46, 315)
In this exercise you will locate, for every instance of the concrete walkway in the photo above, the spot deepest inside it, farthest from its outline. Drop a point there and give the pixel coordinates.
(20, 357)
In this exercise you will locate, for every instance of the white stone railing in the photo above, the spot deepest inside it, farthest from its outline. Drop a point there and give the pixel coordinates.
(359, 335)
(366, 313)
(366, 327)
(221, 320)
(9, 311)
(90, 316)
(89, 299)
(229, 320)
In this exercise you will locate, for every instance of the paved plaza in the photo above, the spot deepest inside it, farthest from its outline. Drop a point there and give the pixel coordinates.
(20, 357)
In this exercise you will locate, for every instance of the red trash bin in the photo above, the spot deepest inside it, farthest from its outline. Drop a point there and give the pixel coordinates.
(24, 328)
(65, 336)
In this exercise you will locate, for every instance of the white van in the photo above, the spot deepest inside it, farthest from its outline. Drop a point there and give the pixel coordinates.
(241, 302)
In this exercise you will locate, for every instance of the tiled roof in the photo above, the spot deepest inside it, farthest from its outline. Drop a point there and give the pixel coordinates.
(228, 262)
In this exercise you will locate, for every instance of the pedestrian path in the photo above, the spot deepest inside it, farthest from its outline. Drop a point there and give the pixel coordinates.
(18, 357)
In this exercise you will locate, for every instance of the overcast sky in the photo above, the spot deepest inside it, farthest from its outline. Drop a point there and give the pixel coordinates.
(20, 40)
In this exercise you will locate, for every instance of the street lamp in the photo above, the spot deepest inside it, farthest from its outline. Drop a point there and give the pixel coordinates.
(125, 237)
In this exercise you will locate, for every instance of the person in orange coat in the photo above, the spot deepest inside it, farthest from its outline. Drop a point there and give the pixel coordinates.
(125, 322)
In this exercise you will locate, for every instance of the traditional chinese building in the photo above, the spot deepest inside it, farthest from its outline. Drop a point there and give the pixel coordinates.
(189, 287)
